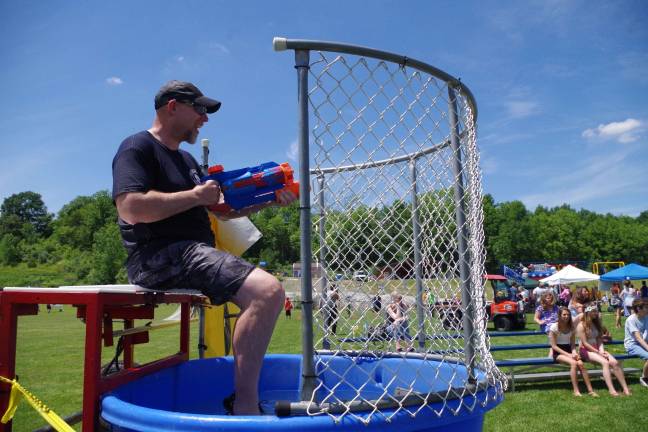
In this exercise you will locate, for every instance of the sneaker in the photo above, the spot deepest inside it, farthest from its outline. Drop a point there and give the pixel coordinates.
(643, 381)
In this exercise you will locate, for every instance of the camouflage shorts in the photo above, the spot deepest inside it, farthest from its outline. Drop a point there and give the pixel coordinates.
(191, 265)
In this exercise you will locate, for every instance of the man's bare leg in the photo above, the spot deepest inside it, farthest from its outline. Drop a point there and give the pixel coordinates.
(260, 298)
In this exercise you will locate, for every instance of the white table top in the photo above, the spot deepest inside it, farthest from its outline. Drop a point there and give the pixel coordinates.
(123, 289)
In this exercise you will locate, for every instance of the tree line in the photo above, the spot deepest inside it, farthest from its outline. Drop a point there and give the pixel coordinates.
(83, 238)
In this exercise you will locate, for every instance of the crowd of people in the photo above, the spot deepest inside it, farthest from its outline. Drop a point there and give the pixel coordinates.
(568, 316)
(394, 314)
(621, 299)
(571, 318)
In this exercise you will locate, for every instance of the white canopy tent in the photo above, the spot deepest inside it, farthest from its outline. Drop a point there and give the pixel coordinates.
(570, 274)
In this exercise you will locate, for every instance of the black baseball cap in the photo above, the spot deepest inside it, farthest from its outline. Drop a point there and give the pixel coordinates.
(184, 92)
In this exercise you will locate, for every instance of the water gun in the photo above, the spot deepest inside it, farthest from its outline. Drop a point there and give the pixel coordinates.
(252, 185)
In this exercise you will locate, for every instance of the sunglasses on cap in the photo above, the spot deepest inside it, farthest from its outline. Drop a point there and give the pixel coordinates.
(200, 109)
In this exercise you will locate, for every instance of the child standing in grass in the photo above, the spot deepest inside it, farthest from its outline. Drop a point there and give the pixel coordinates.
(288, 307)
(628, 294)
(398, 324)
(616, 303)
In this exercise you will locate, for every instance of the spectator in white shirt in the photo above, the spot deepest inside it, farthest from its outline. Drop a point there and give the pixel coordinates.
(636, 335)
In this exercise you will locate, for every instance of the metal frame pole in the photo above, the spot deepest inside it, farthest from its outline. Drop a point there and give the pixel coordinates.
(302, 60)
(462, 236)
(326, 344)
(416, 232)
(201, 309)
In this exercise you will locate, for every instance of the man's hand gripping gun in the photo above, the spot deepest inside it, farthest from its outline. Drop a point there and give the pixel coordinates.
(252, 185)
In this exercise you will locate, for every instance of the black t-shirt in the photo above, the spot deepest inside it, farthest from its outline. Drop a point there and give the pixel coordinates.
(141, 164)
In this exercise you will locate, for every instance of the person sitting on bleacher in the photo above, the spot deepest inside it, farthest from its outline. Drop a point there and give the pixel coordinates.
(538, 292)
(582, 297)
(636, 335)
(589, 331)
(547, 312)
(562, 337)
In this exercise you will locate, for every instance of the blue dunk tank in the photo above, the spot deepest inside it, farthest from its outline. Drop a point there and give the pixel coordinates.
(392, 305)
(189, 396)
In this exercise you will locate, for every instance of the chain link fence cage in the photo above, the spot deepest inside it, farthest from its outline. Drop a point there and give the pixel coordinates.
(395, 321)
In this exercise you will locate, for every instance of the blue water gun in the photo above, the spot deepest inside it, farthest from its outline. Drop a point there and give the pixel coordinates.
(252, 185)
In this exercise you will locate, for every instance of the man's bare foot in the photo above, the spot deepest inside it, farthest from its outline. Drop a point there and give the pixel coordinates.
(235, 407)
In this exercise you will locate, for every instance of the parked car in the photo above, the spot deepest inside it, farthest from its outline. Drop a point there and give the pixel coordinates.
(360, 276)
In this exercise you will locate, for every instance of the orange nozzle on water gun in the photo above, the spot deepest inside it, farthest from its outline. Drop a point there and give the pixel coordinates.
(289, 183)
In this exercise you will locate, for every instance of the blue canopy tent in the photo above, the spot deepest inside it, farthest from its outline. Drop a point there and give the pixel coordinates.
(629, 272)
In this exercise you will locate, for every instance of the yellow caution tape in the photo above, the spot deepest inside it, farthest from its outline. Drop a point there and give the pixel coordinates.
(18, 392)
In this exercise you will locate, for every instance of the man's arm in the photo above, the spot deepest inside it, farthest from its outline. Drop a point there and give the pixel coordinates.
(246, 211)
(391, 312)
(153, 206)
(537, 319)
(640, 340)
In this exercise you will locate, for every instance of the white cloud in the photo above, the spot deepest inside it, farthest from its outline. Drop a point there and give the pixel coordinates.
(624, 132)
(219, 47)
(114, 81)
(520, 109)
(178, 65)
(588, 182)
(520, 102)
(293, 152)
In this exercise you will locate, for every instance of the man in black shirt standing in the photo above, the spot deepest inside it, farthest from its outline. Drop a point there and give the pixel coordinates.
(166, 230)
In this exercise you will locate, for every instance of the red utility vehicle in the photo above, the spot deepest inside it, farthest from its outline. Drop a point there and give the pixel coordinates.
(507, 309)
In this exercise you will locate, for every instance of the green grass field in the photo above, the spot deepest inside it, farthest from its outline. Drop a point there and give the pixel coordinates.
(50, 357)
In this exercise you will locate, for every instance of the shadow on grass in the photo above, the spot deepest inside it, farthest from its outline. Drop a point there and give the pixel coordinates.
(562, 384)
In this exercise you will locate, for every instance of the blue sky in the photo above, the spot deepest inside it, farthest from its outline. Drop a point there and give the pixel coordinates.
(561, 86)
